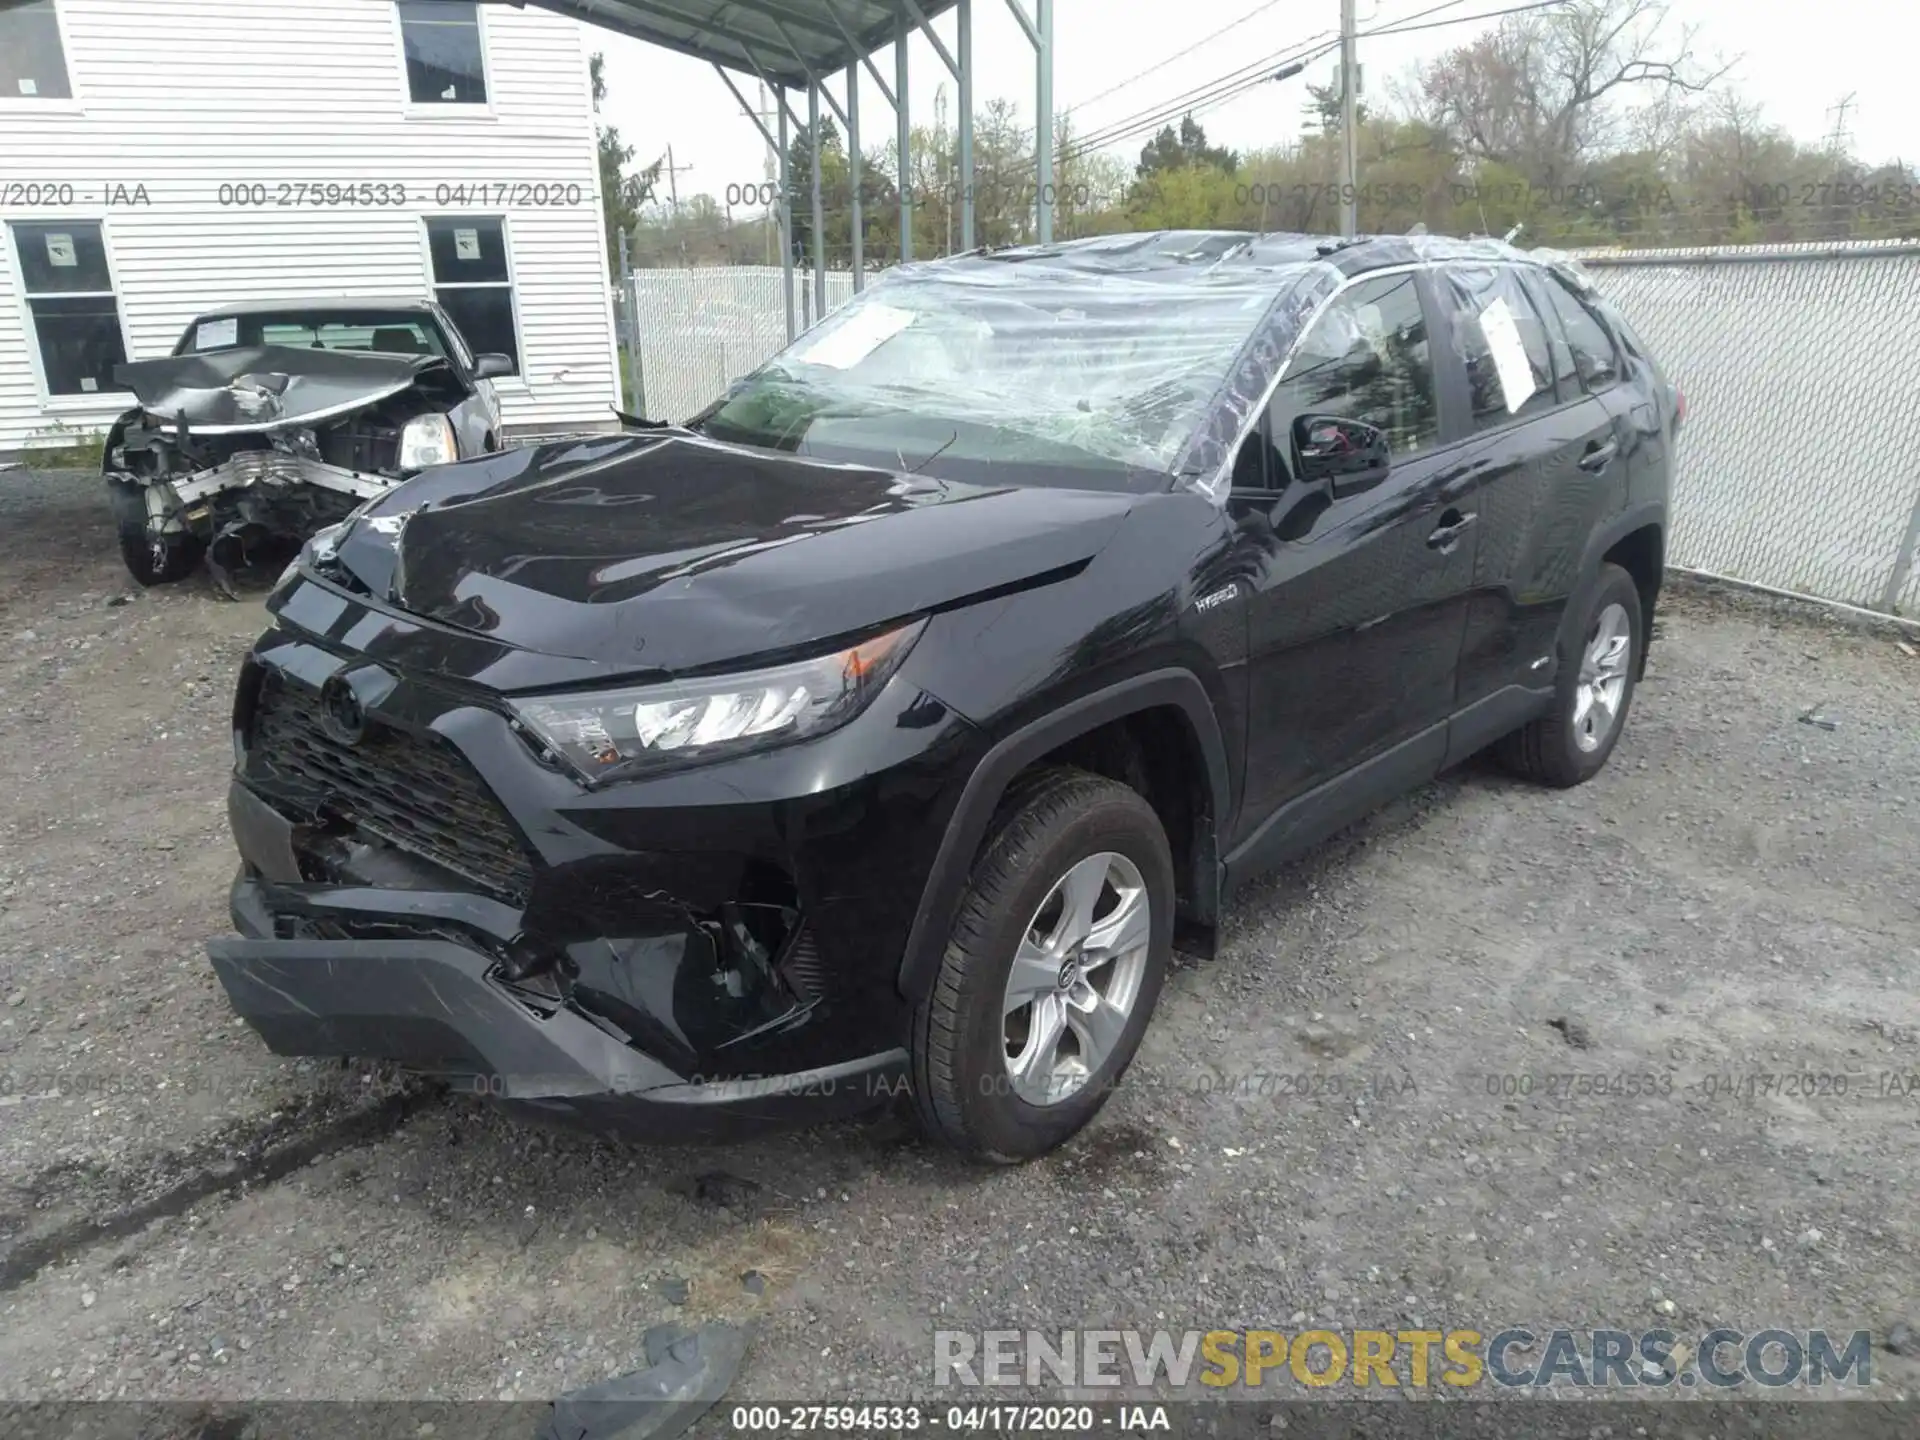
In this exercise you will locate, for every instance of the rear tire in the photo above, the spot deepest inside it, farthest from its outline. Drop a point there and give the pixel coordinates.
(151, 559)
(1068, 844)
(1570, 744)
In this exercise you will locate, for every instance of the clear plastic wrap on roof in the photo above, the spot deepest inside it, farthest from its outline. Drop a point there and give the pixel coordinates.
(1138, 352)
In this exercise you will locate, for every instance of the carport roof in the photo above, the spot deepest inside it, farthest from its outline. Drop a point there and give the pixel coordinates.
(781, 40)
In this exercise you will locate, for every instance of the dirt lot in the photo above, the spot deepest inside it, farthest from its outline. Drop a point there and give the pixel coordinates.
(1735, 897)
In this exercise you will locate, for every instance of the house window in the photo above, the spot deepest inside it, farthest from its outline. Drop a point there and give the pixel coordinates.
(33, 66)
(69, 292)
(472, 283)
(446, 64)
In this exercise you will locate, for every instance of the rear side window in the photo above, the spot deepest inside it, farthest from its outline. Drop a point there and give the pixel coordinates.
(1594, 357)
(1499, 338)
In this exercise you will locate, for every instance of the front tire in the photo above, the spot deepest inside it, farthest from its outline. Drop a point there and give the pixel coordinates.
(152, 558)
(1570, 744)
(1058, 953)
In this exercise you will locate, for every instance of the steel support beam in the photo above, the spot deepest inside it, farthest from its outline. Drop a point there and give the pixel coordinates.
(1040, 36)
(746, 109)
(777, 89)
(864, 51)
(1349, 112)
(642, 31)
(853, 173)
(965, 85)
(903, 122)
(1043, 121)
(819, 216)
(813, 78)
(786, 216)
(926, 28)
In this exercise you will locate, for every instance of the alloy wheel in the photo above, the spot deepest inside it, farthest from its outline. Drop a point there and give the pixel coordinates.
(1603, 678)
(1075, 978)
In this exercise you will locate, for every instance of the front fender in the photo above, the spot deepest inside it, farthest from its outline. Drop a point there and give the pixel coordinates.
(987, 784)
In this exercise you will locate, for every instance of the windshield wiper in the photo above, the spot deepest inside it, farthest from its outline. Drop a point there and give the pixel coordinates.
(930, 459)
(639, 422)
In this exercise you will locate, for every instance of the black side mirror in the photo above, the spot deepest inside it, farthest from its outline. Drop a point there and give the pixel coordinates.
(1350, 455)
(491, 366)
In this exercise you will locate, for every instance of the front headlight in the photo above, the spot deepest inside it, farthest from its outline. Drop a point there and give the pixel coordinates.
(684, 722)
(427, 440)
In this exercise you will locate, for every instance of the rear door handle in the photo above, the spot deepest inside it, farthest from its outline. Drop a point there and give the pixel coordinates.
(1599, 456)
(1453, 526)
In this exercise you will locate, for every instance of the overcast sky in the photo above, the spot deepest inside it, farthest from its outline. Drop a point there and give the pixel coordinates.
(1798, 60)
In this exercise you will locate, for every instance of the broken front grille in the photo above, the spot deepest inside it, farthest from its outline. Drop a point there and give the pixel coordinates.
(415, 792)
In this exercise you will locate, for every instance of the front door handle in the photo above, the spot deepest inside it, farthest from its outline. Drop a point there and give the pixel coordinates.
(1599, 456)
(1452, 526)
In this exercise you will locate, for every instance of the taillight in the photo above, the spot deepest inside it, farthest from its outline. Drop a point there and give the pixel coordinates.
(1679, 405)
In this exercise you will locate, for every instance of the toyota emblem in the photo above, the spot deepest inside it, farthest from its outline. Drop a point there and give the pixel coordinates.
(341, 714)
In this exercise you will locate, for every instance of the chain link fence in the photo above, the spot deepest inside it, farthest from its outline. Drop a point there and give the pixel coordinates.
(699, 330)
(1799, 467)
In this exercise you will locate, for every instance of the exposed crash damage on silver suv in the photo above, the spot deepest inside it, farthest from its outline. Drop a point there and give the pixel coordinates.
(235, 447)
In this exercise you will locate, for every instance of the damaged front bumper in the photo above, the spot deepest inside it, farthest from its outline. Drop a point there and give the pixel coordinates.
(441, 1008)
(699, 954)
(275, 470)
(273, 491)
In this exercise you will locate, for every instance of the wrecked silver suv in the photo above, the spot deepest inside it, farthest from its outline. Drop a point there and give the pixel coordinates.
(269, 422)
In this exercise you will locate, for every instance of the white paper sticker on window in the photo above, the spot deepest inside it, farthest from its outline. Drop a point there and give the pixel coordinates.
(854, 338)
(87, 382)
(60, 251)
(29, 86)
(1509, 354)
(466, 244)
(212, 334)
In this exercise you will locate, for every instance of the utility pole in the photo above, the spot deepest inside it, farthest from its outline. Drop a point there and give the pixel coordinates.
(1839, 141)
(673, 189)
(946, 171)
(766, 115)
(1349, 139)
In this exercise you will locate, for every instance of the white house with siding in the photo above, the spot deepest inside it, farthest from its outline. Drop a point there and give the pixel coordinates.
(162, 159)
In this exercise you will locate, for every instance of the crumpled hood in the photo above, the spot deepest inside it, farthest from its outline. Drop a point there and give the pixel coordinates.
(271, 387)
(670, 554)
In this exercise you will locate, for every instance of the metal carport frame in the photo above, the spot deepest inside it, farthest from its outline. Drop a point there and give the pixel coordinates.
(798, 45)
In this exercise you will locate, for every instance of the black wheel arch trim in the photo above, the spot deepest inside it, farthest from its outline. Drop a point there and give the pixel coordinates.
(1636, 517)
(940, 895)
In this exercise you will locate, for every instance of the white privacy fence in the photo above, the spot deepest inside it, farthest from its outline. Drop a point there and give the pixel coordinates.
(701, 329)
(1799, 467)
(1799, 462)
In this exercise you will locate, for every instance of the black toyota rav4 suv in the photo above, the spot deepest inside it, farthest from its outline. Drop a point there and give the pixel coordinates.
(880, 730)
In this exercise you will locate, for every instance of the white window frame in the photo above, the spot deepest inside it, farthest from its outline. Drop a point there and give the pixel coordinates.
(84, 400)
(515, 383)
(70, 103)
(445, 109)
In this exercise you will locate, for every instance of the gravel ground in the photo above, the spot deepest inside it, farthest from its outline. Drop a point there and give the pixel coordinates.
(1734, 897)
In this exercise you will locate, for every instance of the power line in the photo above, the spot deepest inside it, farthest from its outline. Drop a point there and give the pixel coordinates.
(1257, 71)
(1180, 55)
(1208, 95)
(1212, 94)
(1430, 10)
(1406, 29)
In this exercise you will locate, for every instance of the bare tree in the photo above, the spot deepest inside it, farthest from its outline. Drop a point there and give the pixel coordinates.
(1540, 92)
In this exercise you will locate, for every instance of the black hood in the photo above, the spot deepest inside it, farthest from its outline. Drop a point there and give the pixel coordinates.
(671, 554)
(268, 387)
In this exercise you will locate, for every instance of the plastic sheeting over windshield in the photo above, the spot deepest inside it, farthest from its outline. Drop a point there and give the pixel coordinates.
(1148, 361)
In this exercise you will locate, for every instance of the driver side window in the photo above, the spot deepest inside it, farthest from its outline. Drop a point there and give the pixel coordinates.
(1365, 358)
